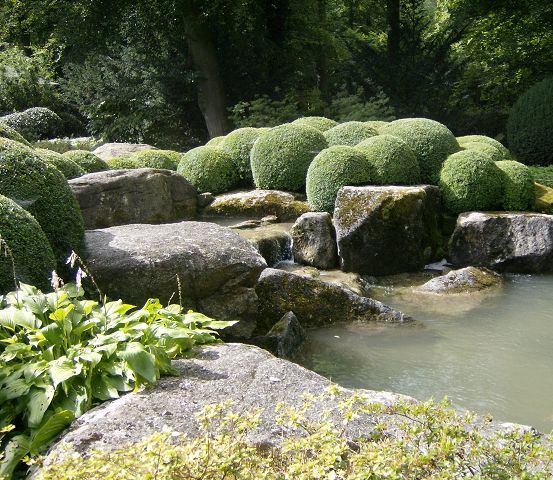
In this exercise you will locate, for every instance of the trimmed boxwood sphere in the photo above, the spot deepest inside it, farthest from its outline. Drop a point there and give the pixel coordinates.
(483, 139)
(349, 133)
(215, 141)
(431, 141)
(8, 132)
(164, 159)
(123, 162)
(393, 160)
(376, 124)
(518, 185)
(89, 162)
(43, 191)
(209, 169)
(280, 158)
(489, 151)
(33, 258)
(66, 166)
(334, 168)
(470, 181)
(320, 123)
(238, 144)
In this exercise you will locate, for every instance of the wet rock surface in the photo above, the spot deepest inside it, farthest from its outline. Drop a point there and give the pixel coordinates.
(272, 241)
(314, 241)
(284, 339)
(463, 281)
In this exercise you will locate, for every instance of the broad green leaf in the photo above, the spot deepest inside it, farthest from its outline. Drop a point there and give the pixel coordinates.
(11, 317)
(140, 361)
(219, 324)
(14, 389)
(17, 448)
(20, 350)
(38, 402)
(63, 369)
(52, 333)
(61, 313)
(50, 428)
(103, 389)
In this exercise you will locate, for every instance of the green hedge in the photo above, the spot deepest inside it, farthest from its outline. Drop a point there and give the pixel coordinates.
(238, 144)
(530, 125)
(215, 141)
(35, 123)
(43, 191)
(334, 168)
(89, 162)
(471, 181)
(164, 159)
(209, 169)
(8, 132)
(123, 162)
(320, 123)
(483, 139)
(518, 186)
(281, 157)
(32, 255)
(431, 141)
(489, 151)
(393, 160)
(66, 166)
(349, 133)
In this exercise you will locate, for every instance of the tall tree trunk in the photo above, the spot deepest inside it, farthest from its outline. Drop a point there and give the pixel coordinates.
(210, 87)
(393, 20)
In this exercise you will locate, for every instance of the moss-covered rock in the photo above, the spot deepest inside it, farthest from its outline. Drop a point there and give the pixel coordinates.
(489, 151)
(164, 159)
(66, 166)
(8, 132)
(518, 185)
(280, 158)
(431, 141)
(470, 181)
(543, 175)
(349, 133)
(35, 123)
(238, 144)
(124, 162)
(471, 139)
(33, 259)
(209, 169)
(543, 198)
(43, 191)
(89, 162)
(334, 168)
(393, 160)
(320, 123)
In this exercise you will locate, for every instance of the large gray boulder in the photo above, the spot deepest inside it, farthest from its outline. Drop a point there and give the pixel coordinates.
(145, 195)
(215, 269)
(314, 241)
(314, 301)
(387, 230)
(465, 280)
(112, 150)
(257, 204)
(508, 242)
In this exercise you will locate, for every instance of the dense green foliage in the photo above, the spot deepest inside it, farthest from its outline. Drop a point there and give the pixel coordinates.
(334, 168)
(431, 141)
(530, 126)
(489, 151)
(281, 157)
(35, 123)
(471, 139)
(209, 169)
(28, 251)
(238, 144)
(518, 186)
(410, 441)
(43, 191)
(66, 166)
(89, 162)
(62, 145)
(349, 133)
(543, 175)
(165, 159)
(320, 123)
(123, 162)
(60, 354)
(393, 160)
(471, 181)
(8, 132)
(216, 141)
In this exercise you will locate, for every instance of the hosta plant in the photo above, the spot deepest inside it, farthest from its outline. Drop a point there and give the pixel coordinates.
(60, 354)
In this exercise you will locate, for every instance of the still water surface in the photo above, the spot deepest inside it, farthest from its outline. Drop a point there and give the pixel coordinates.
(488, 353)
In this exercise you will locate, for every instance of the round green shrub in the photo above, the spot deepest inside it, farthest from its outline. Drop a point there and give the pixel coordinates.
(215, 141)
(349, 133)
(431, 141)
(393, 160)
(320, 123)
(43, 191)
(332, 169)
(376, 124)
(32, 255)
(470, 181)
(164, 159)
(530, 125)
(89, 162)
(8, 132)
(489, 151)
(238, 144)
(209, 169)
(68, 167)
(518, 185)
(482, 139)
(35, 123)
(280, 158)
(123, 162)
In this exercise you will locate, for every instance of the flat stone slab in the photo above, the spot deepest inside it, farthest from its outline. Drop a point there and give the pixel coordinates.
(144, 195)
(217, 269)
(507, 242)
(112, 150)
(463, 281)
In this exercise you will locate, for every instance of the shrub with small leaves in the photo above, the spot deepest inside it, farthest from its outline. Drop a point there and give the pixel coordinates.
(485, 149)
(209, 169)
(8, 132)
(34, 123)
(349, 133)
(164, 159)
(66, 166)
(543, 175)
(89, 162)
(238, 144)
(123, 162)
(320, 123)
(215, 141)
(471, 139)
(518, 186)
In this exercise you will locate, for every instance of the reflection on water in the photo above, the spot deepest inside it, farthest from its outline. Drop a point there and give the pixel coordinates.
(496, 355)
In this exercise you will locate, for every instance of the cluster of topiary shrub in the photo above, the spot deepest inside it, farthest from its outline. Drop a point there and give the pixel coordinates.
(35, 123)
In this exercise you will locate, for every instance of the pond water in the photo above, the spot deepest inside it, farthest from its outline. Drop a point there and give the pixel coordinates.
(489, 353)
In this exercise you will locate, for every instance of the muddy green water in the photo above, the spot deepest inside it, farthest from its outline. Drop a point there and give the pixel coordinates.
(488, 353)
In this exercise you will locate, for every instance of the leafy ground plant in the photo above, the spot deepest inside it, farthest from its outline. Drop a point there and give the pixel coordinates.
(409, 441)
(60, 354)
